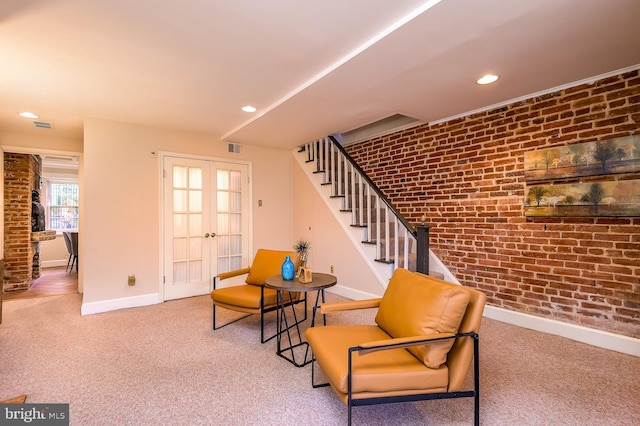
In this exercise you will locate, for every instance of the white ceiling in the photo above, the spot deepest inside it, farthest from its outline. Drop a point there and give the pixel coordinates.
(312, 67)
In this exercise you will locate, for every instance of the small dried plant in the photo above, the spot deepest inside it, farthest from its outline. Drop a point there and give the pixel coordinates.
(302, 246)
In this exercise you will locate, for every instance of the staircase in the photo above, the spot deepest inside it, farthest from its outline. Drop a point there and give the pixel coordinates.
(384, 238)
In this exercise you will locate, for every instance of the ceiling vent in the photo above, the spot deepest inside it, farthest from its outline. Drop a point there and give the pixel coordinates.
(42, 125)
(388, 125)
(234, 148)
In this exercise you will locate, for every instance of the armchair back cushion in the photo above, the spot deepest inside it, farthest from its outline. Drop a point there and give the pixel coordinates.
(267, 263)
(415, 304)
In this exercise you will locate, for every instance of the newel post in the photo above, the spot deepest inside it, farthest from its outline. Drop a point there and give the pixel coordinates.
(422, 248)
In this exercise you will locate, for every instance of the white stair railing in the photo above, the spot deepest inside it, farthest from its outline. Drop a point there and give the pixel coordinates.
(394, 238)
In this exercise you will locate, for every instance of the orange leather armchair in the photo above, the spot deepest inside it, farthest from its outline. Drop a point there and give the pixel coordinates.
(421, 347)
(252, 297)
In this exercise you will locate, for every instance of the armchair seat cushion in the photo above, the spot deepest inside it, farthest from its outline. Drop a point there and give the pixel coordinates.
(248, 297)
(376, 373)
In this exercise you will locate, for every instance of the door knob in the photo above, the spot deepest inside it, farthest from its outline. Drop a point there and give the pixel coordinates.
(206, 235)
(213, 234)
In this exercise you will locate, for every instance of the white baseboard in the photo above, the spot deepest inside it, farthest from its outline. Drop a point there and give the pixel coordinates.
(115, 304)
(351, 293)
(53, 263)
(601, 339)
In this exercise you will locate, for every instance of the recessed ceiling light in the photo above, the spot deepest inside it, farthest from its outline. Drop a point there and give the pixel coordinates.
(27, 114)
(248, 108)
(487, 79)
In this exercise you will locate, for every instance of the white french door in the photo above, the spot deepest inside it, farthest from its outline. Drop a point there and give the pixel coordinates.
(206, 223)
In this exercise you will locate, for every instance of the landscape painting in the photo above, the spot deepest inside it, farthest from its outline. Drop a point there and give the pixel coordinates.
(617, 198)
(619, 155)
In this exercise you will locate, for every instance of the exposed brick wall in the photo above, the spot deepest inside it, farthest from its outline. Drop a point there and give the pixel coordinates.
(466, 176)
(18, 256)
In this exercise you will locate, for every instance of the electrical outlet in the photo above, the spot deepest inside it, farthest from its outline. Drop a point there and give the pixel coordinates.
(331, 268)
(131, 280)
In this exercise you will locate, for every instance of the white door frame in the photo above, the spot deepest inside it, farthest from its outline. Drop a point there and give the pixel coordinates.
(161, 239)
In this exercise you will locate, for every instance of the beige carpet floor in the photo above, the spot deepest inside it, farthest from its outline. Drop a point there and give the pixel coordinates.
(164, 365)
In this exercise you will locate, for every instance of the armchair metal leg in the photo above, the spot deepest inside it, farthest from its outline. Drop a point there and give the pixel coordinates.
(262, 312)
(349, 381)
(216, 327)
(262, 339)
(476, 380)
(313, 375)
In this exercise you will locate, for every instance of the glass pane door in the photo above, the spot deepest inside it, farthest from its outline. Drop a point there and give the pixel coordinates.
(206, 223)
(231, 217)
(187, 227)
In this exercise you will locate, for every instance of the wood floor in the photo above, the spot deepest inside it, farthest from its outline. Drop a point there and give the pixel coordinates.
(52, 281)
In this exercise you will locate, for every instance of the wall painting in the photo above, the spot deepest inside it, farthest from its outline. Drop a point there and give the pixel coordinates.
(611, 156)
(613, 198)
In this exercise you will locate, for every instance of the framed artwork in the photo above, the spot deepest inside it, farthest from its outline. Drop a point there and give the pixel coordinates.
(611, 156)
(612, 198)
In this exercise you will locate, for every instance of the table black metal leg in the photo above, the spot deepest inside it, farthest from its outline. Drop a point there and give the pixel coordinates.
(283, 327)
(319, 294)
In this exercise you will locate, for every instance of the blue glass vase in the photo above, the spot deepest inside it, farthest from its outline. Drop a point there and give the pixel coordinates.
(288, 269)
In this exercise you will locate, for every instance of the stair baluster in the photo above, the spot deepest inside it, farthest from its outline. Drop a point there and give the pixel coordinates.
(394, 238)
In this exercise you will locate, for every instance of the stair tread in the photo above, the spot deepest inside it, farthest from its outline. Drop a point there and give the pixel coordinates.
(367, 211)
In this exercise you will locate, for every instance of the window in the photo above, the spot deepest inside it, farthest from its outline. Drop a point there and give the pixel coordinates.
(62, 205)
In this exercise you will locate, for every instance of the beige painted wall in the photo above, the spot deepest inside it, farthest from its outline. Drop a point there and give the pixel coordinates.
(53, 252)
(119, 230)
(329, 244)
